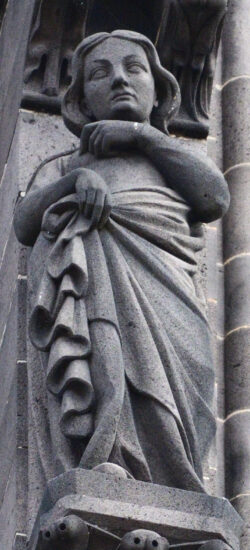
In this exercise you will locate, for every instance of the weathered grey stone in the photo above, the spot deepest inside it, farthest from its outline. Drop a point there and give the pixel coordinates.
(22, 260)
(237, 220)
(237, 450)
(69, 533)
(235, 39)
(216, 118)
(245, 539)
(204, 192)
(143, 539)
(7, 438)
(40, 136)
(220, 296)
(219, 377)
(8, 398)
(22, 450)
(215, 545)
(22, 319)
(242, 505)
(237, 301)
(215, 151)
(8, 355)
(8, 276)
(220, 459)
(20, 542)
(236, 131)
(8, 512)
(8, 194)
(13, 43)
(120, 506)
(213, 321)
(211, 256)
(237, 374)
(22, 405)
(21, 489)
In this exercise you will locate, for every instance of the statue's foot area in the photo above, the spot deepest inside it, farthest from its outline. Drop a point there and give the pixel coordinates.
(113, 469)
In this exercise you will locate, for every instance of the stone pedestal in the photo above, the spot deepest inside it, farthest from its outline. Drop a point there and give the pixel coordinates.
(117, 506)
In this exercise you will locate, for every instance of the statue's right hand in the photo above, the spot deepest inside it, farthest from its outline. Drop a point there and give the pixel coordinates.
(94, 197)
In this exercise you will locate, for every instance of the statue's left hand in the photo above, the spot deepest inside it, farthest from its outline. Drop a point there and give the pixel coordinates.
(108, 136)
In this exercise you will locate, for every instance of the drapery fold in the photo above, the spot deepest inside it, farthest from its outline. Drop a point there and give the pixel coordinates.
(123, 336)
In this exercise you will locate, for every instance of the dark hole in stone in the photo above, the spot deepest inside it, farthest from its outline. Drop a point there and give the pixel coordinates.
(47, 534)
(154, 543)
(137, 540)
(62, 526)
(205, 195)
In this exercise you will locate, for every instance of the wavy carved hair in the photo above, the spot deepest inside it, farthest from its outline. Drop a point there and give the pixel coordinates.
(168, 93)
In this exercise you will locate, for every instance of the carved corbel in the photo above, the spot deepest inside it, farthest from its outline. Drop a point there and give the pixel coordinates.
(58, 26)
(188, 45)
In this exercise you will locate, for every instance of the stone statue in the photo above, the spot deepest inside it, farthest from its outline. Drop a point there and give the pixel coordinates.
(121, 369)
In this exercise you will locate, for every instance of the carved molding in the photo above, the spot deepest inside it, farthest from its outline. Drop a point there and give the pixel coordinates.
(186, 33)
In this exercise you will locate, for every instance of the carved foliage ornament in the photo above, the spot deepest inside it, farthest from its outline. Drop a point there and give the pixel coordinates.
(185, 32)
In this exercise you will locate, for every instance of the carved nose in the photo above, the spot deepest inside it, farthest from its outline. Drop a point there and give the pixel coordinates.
(118, 79)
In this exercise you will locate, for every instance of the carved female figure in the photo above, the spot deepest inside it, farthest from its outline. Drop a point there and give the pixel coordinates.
(124, 344)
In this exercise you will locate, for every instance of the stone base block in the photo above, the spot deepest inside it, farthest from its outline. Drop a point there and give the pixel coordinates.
(118, 506)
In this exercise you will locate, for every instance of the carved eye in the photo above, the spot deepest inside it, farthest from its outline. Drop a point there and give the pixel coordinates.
(135, 68)
(99, 73)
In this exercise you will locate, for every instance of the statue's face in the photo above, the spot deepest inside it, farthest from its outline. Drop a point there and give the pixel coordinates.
(118, 82)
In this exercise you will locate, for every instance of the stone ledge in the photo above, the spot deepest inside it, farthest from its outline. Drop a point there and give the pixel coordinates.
(119, 506)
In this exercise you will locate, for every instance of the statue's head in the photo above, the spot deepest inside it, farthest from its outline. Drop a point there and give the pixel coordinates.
(118, 76)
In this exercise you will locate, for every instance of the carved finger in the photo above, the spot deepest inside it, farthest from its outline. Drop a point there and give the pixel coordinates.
(107, 143)
(98, 208)
(90, 201)
(92, 140)
(81, 196)
(98, 146)
(85, 135)
(106, 211)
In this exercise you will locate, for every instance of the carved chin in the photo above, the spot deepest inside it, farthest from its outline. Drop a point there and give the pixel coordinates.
(123, 110)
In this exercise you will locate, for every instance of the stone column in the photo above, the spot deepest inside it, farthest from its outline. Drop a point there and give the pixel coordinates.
(236, 133)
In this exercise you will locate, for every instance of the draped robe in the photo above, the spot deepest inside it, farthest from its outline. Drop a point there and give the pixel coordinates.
(121, 369)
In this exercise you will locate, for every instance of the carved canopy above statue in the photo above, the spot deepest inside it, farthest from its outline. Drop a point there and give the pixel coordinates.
(185, 32)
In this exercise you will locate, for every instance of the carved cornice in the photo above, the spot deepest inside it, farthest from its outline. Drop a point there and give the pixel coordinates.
(186, 33)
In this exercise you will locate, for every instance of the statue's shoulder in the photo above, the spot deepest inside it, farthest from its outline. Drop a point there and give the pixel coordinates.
(52, 168)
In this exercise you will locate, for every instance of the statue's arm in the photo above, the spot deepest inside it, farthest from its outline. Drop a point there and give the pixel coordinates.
(30, 209)
(194, 176)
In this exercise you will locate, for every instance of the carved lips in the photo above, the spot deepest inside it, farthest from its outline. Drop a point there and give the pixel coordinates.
(123, 95)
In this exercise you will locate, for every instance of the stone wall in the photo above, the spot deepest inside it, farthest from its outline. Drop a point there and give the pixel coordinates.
(15, 19)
